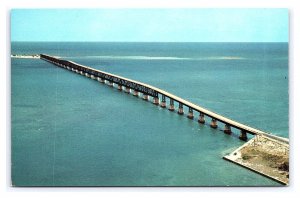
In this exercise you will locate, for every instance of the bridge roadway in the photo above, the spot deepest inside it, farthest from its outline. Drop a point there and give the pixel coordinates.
(154, 91)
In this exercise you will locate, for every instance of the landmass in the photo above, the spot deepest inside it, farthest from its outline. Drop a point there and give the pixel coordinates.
(25, 56)
(266, 156)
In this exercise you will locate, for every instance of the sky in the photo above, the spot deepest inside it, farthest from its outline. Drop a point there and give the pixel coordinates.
(150, 25)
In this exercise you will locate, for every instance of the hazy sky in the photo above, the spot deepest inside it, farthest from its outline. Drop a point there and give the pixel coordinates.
(169, 25)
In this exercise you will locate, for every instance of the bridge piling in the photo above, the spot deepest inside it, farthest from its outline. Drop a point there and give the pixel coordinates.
(127, 90)
(201, 118)
(163, 101)
(156, 100)
(190, 114)
(145, 97)
(119, 87)
(243, 135)
(135, 93)
(227, 129)
(180, 109)
(171, 107)
(100, 80)
(213, 123)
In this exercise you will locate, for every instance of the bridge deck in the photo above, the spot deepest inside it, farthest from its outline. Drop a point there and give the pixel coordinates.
(195, 107)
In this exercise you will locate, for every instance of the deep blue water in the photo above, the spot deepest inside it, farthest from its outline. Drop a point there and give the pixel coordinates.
(70, 130)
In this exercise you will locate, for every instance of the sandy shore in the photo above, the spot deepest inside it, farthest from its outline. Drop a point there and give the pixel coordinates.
(25, 56)
(265, 156)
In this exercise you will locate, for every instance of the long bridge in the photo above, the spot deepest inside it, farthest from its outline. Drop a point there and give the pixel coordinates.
(135, 87)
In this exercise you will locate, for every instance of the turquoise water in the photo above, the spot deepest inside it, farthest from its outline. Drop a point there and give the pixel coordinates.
(68, 130)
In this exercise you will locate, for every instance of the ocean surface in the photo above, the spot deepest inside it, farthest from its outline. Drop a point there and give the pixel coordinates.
(69, 130)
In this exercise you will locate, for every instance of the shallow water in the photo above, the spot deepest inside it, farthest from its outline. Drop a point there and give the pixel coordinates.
(70, 130)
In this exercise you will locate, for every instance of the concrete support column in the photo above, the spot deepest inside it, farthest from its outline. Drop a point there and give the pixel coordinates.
(120, 87)
(171, 107)
(135, 93)
(127, 90)
(81, 73)
(163, 101)
(190, 114)
(243, 135)
(145, 97)
(110, 83)
(92, 76)
(156, 100)
(180, 109)
(87, 75)
(100, 80)
(201, 118)
(76, 70)
(227, 129)
(213, 123)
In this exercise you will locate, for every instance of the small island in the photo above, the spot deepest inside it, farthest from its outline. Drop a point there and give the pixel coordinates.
(35, 56)
(266, 156)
